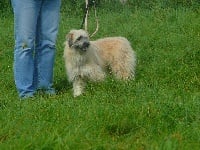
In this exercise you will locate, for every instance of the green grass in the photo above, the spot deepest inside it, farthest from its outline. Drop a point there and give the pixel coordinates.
(159, 110)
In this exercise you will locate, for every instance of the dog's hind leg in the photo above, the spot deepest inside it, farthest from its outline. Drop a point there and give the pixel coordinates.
(78, 86)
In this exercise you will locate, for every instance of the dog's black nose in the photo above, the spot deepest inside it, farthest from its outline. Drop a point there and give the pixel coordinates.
(86, 44)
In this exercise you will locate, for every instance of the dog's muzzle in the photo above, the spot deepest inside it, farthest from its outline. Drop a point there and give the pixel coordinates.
(85, 46)
(81, 44)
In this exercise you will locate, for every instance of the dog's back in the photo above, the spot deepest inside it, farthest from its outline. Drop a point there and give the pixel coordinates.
(118, 54)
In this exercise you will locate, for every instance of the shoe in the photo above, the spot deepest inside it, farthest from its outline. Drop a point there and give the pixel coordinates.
(50, 91)
(27, 96)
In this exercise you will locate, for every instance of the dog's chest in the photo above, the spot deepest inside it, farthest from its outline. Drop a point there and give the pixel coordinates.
(79, 60)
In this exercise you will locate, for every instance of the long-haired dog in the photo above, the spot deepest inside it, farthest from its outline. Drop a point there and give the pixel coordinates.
(90, 60)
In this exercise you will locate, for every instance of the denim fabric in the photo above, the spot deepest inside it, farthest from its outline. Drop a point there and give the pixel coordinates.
(36, 27)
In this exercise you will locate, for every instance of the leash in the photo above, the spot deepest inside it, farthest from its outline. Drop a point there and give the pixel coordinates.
(85, 15)
(85, 18)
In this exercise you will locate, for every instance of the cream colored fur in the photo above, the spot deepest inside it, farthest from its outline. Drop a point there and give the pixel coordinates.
(111, 53)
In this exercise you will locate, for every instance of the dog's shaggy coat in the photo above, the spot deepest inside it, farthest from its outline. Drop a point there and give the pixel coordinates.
(90, 60)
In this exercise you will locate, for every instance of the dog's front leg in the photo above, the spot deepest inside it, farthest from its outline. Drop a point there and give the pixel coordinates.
(78, 86)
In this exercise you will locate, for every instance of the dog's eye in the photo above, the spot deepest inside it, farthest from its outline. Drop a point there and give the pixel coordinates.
(79, 38)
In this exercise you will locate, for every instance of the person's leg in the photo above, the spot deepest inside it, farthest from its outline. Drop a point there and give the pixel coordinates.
(45, 44)
(25, 19)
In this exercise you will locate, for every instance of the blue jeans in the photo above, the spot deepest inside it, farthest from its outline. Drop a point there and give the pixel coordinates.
(36, 27)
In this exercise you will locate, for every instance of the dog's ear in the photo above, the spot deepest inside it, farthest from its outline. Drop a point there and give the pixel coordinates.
(70, 39)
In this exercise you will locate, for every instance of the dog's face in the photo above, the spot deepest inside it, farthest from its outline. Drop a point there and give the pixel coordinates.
(78, 40)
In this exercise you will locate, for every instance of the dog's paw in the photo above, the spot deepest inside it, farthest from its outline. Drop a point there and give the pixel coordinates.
(78, 92)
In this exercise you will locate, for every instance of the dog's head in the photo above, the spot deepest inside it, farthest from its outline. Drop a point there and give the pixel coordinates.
(78, 40)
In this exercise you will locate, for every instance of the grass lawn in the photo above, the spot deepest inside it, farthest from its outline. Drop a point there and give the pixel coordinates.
(160, 109)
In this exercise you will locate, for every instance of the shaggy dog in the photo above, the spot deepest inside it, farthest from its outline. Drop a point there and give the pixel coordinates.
(90, 60)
